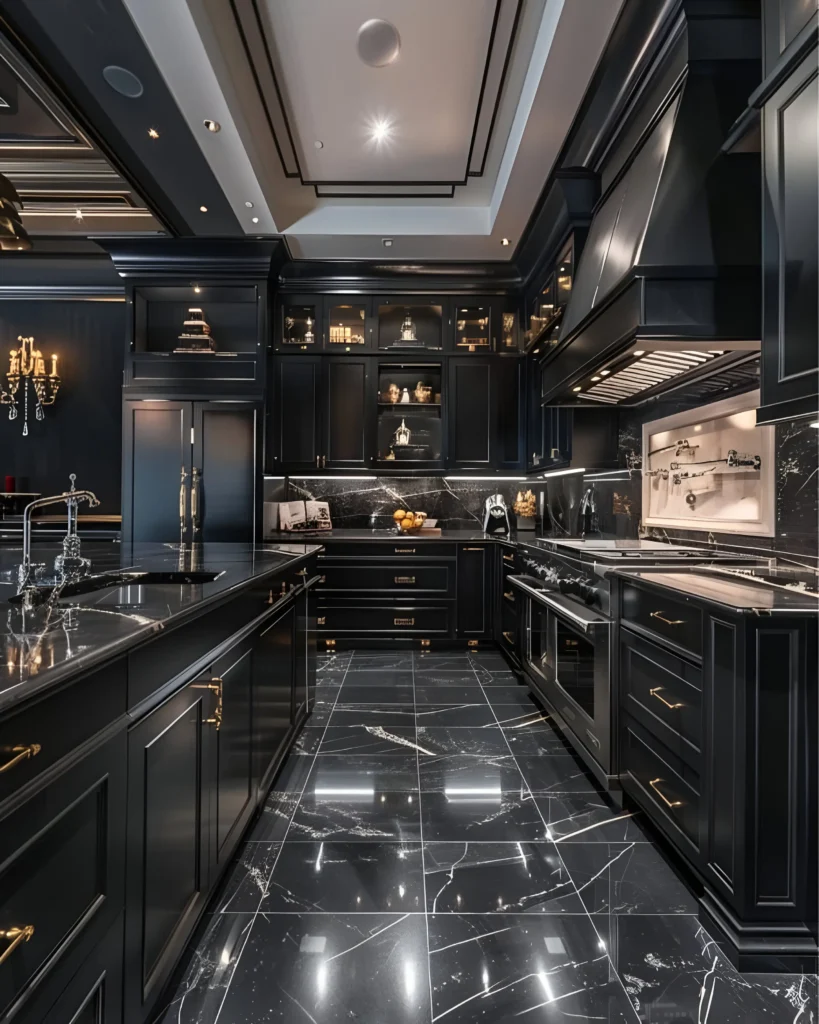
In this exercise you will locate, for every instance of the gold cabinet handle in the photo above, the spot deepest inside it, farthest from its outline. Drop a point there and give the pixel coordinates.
(322, 579)
(508, 637)
(320, 621)
(404, 551)
(403, 622)
(403, 579)
(302, 572)
(668, 622)
(508, 558)
(216, 685)
(655, 692)
(509, 596)
(196, 476)
(662, 796)
(20, 754)
(17, 935)
(473, 549)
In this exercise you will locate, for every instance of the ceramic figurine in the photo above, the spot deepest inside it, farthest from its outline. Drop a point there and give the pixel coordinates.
(405, 397)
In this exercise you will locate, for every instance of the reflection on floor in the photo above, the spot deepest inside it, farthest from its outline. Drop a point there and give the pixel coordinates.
(432, 851)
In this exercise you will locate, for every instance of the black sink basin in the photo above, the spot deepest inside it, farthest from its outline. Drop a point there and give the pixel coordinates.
(105, 580)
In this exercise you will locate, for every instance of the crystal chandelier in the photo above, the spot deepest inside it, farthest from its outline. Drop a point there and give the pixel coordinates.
(27, 368)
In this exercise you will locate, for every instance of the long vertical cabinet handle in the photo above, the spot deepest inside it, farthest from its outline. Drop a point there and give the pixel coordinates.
(183, 500)
(196, 483)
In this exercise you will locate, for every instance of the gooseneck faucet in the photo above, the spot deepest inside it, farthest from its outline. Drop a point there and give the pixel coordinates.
(70, 557)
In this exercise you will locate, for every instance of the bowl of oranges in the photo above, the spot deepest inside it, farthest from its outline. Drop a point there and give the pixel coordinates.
(408, 522)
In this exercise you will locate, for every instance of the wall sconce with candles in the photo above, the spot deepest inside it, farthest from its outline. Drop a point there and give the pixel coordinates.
(27, 368)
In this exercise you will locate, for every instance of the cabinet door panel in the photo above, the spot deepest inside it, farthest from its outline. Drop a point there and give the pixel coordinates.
(224, 452)
(470, 420)
(233, 785)
(295, 415)
(346, 413)
(473, 602)
(168, 825)
(272, 693)
(507, 380)
(156, 447)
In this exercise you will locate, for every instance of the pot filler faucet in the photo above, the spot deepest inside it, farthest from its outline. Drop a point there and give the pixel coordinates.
(70, 561)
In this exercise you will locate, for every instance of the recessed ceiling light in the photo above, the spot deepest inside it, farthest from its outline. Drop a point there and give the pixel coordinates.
(577, 389)
(123, 81)
(255, 220)
(378, 43)
(380, 130)
(318, 144)
(639, 352)
(386, 242)
(505, 241)
(203, 209)
(212, 126)
(153, 133)
(197, 289)
(595, 378)
(78, 215)
(605, 373)
(249, 205)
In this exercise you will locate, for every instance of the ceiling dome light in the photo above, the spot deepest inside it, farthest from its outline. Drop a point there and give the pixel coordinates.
(123, 81)
(378, 43)
(212, 126)
(154, 134)
(12, 233)
(203, 209)
(505, 241)
(318, 144)
(255, 220)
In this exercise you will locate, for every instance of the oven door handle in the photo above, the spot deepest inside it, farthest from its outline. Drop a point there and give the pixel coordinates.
(559, 606)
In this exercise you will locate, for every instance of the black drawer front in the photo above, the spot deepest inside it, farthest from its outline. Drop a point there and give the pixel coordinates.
(669, 787)
(393, 579)
(40, 734)
(390, 620)
(63, 857)
(664, 693)
(401, 548)
(667, 617)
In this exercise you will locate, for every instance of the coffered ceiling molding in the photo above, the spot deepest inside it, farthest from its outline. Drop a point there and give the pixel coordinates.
(420, 125)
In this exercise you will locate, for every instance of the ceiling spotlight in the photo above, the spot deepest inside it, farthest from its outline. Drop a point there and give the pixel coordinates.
(815, 425)
(255, 220)
(386, 242)
(639, 352)
(212, 126)
(605, 373)
(318, 144)
(378, 43)
(249, 205)
(380, 130)
(197, 289)
(203, 209)
(78, 216)
(577, 389)
(595, 378)
(505, 241)
(153, 133)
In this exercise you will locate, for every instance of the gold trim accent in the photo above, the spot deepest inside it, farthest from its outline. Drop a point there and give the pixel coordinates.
(473, 549)
(509, 595)
(17, 935)
(508, 637)
(471, 643)
(216, 685)
(23, 754)
(426, 643)
(655, 692)
(321, 620)
(668, 622)
(330, 643)
(508, 558)
(662, 796)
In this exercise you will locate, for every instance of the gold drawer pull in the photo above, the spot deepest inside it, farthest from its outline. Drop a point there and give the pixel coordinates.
(322, 579)
(405, 551)
(404, 579)
(21, 754)
(216, 685)
(473, 549)
(509, 596)
(320, 621)
(668, 622)
(302, 572)
(17, 935)
(508, 637)
(508, 558)
(655, 692)
(403, 622)
(662, 796)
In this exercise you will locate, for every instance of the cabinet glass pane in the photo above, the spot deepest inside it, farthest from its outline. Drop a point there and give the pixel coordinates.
(563, 278)
(409, 326)
(509, 333)
(347, 326)
(472, 324)
(300, 326)
(409, 412)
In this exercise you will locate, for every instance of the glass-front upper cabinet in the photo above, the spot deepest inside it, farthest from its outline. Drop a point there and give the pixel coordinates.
(473, 327)
(300, 326)
(348, 325)
(409, 430)
(550, 304)
(410, 323)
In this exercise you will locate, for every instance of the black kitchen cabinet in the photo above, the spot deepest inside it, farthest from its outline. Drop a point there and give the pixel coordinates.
(474, 579)
(189, 471)
(348, 324)
(94, 995)
(548, 433)
(304, 652)
(786, 23)
(790, 354)
(320, 414)
(170, 754)
(300, 323)
(233, 796)
(273, 681)
(484, 401)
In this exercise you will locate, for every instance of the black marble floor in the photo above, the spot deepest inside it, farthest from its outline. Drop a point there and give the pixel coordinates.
(433, 851)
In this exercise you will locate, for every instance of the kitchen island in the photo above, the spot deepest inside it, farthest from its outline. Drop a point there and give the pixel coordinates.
(141, 724)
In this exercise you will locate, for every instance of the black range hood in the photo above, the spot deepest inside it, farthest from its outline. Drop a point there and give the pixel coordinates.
(667, 289)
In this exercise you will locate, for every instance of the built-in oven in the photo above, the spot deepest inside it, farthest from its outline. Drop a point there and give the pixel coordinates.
(567, 657)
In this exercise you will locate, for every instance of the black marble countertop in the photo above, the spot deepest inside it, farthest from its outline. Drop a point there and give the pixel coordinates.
(738, 593)
(361, 533)
(41, 648)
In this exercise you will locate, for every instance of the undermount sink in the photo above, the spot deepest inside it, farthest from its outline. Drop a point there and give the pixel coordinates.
(106, 580)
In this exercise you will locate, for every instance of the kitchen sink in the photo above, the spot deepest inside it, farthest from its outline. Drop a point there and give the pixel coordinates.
(106, 580)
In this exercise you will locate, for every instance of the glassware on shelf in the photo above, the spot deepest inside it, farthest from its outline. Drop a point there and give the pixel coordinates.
(410, 428)
(508, 339)
(410, 326)
(405, 397)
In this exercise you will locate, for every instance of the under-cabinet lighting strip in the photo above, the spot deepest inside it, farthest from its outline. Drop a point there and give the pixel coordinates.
(560, 472)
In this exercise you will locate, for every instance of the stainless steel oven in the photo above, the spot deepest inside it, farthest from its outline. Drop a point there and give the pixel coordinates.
(567, 657)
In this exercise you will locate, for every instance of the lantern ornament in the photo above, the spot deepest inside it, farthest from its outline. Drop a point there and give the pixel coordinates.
(27, 370)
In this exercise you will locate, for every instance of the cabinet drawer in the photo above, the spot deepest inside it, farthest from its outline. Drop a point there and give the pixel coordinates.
(672, 619)
(400, 547)
(394, 578)
(664, 693)
(667, 787)
(63, 868)
(40, 734)
(390, 620)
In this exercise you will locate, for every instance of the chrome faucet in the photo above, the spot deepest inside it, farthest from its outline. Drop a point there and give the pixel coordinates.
(70, 558)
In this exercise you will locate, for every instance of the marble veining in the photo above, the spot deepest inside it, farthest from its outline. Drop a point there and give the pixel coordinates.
(386, 881)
